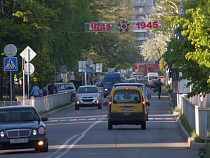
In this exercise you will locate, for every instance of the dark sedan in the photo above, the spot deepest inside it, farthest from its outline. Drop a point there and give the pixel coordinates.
(22, 127)
(152, 84)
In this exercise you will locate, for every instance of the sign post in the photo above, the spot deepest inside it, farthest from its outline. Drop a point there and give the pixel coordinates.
(10, 51)
(89, 61)
(28, 54)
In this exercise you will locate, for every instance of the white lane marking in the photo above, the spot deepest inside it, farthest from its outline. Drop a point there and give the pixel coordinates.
(72, 119)
(99, 153)
(91, 119)
(63, 120)
(53, 121)
(157, 118)
(78, 139)
(82, 119)
(64, 144)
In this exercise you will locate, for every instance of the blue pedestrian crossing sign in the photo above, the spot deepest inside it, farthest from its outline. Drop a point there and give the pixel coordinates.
(10, 64)
(89, 70)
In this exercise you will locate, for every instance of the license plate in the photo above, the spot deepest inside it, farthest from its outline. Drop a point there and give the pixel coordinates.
(126, 108)
(17, 141)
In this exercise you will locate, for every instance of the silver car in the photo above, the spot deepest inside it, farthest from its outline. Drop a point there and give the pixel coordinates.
(88, 96)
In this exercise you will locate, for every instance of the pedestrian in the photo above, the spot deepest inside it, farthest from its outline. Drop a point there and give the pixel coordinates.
(44, 91)
(52, 88)
(158, 84)
(35, 91)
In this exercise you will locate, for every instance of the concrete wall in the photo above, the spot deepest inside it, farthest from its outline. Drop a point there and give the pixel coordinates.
(196, 116)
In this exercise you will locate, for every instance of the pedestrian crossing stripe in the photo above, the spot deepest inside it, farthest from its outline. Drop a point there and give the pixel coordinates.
(10, 65)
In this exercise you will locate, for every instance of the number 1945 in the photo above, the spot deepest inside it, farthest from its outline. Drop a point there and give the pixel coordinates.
(142, 25)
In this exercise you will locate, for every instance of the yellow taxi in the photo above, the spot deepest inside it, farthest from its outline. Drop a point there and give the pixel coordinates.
(126, 106)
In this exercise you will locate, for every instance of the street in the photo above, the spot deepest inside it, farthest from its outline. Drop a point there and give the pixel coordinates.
(84, 134)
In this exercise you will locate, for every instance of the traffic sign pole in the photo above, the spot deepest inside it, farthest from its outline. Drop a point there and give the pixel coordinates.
(23, 68)
(29, 72)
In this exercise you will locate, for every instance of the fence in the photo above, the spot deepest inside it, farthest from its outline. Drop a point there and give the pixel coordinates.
(43, 103)
(197, 116)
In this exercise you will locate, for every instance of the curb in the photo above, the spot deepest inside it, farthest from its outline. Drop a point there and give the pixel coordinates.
(57, 110)
(191, 142)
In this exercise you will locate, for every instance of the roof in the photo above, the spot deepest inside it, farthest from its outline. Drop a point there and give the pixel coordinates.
(128, 84)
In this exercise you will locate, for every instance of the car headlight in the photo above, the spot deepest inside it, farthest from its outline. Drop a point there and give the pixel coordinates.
(96, 96)
(41, 130)
(2, 134)
(78, 97)
(34, 132)
(106, 89)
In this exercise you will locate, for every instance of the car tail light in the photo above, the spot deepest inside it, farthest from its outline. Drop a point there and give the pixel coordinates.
(143, 106)
(110, 106)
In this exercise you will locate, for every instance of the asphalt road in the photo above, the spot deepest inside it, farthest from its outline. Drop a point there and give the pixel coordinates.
(84, 134)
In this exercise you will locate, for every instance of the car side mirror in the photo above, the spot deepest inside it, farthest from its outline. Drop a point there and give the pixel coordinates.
(101, 91)
(147, 103)
(149, 96)
(44, 118)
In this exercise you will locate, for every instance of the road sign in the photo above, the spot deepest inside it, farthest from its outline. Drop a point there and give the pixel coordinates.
(82, 66)
(10, 64)
(26, 53)
(10, 50)
(98, 67)
(89, 70)
(121, 71)
(27, 65)
(63, 69)
(89, 61)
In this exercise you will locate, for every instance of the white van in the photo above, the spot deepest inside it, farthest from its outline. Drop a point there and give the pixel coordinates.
(151, 76)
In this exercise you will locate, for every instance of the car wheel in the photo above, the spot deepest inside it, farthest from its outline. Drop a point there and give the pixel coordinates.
(73, 98)
(42, 149)
(100, 106)
(143, 125)
(109, 125)
(76, 107)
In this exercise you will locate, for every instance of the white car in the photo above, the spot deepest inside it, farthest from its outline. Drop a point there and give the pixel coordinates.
(88, 96)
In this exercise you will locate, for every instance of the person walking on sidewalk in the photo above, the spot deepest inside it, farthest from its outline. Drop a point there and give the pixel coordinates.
(158, 84)
(35, 91)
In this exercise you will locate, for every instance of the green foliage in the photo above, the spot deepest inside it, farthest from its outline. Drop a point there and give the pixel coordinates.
(204, 152)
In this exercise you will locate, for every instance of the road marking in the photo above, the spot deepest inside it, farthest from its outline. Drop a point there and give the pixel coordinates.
(63, 146)
(82, 119)
(73, 119)
(53, 121)
(91, 119)
(63, 120)
(157, 118)
(78, 139)
(99, 153)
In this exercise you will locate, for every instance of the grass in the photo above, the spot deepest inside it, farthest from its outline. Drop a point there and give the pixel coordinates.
(176, 109)
(190, 130)
(57, 107)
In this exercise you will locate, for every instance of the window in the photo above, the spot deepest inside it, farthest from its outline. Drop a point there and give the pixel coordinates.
(126, 96)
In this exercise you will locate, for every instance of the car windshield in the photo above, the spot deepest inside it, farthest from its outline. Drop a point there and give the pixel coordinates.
(126, 96)
(112, 80)
(87, 90)
(14, 115)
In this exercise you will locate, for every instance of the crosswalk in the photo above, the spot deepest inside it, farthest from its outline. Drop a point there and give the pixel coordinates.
(105, 119)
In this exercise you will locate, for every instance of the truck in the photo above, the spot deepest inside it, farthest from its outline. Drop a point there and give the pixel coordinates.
(151, 76)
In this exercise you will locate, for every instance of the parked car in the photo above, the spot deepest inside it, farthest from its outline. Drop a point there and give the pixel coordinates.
(152, 83)
(126, 106)
(66, 87)
(88, 96)
(22, 127)
(145, 96)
